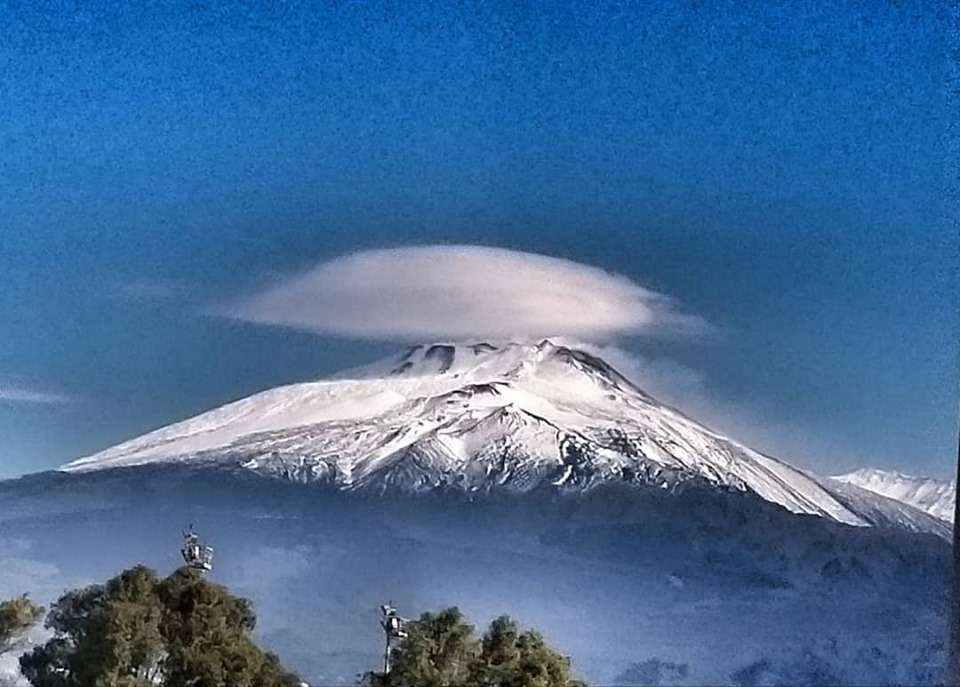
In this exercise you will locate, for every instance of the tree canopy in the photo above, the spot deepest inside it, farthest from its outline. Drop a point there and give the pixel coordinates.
(138, 630)
(17, 616)
(443, 651)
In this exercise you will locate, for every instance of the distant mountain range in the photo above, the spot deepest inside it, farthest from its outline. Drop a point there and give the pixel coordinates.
(936, 497)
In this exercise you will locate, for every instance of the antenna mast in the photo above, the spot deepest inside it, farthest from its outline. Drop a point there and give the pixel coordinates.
(393, 628)
(197, 556)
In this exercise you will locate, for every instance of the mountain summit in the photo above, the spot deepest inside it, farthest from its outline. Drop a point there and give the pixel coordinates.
(482, 417)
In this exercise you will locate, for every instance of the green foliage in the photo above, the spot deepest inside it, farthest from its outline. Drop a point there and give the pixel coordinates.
(17, 616)
(140, 631)
(104, 635)
(438, 652)
(442, 651)
(208, 638)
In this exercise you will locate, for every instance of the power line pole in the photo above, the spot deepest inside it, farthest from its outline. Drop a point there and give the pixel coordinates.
(393, 628)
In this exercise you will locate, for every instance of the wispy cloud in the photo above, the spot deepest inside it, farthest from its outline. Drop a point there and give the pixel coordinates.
(748, 421)
(18, 393)
(665, 379)
(463, 292)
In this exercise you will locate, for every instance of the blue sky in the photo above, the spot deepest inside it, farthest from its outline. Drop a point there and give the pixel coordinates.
(780, 170)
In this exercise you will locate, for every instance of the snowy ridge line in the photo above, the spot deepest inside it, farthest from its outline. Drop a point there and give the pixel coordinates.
(936, 497)
(481, 416)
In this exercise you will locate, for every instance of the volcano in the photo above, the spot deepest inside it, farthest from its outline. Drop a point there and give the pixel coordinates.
(484, 417)
(524, 478)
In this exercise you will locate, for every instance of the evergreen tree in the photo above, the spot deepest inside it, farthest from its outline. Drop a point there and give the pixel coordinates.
(514, 659)
(207, 633)
(103, 635)
(140, 631)
(438, 651)
(442, 651)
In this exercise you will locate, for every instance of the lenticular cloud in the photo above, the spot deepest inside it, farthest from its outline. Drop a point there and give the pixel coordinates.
(462, 292)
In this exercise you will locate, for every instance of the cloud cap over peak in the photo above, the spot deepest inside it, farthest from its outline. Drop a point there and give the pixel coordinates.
(463, 292)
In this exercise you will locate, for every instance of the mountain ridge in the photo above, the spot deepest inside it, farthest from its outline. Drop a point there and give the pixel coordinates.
(482, 417)
(933, 496)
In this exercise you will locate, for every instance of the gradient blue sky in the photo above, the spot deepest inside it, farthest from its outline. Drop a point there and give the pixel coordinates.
(781, 169)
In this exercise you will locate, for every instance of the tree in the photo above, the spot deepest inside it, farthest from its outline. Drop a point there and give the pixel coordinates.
(438, 651)
(510, 658)
(207, 633)
(442, 651)
(17, 616)
(140, 631)
(103, 634)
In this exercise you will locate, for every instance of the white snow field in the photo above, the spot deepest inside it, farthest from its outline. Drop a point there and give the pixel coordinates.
(481, 417)
(936, 497)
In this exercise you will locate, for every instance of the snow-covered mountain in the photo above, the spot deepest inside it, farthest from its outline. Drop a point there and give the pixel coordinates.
(936, 497)
(532, 479)
(483, 417)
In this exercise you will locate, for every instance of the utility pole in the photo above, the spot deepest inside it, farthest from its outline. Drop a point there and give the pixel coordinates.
(393, 628)
(386, 656)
